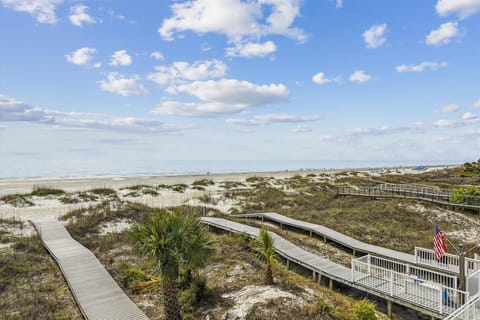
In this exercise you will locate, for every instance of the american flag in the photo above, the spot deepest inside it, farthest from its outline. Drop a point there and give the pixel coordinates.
(439, 243)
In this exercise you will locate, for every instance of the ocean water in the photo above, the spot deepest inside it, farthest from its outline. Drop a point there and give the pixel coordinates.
(87, 169)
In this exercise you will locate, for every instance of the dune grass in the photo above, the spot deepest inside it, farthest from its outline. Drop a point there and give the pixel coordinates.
(31, 285)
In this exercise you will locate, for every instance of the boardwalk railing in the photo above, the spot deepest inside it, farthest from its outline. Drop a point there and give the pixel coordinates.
(403, 191)
(449, 262)
(411, 270)
(473, 283)
(412, 189)
(408, 287)
(469, 311)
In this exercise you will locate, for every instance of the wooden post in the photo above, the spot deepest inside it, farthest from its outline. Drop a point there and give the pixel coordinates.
(288, 264)
(461, 267)
(330, 284)
(389, 309)
(353, 254)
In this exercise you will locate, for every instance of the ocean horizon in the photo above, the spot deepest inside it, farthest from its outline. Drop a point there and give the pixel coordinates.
(65, 170)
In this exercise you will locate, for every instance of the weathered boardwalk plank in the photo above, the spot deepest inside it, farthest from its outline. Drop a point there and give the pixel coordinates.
(96, 293)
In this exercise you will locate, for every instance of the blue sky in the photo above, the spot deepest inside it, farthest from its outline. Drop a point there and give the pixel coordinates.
(237, 79)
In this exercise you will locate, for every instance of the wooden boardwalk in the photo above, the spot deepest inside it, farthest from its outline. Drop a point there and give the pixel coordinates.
(323, 267)
(355, 245)
(440, 198)
(96, 293)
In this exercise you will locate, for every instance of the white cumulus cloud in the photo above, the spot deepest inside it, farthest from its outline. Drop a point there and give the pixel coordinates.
(122, 85)
(374, 37)
(468, 117)
(320, 78)
(251, 49)
(157, 55)
(78, 16)
(224, 96)
(42, 10)
(421, 66)
(452, 107)
(183, 71)
(82, 56)
(121, 58)
(444, 123)
(13, 110)
(476, 104)
(265, 119)
(443, 34)
(236, 19)
(360, 76)
(462, 8)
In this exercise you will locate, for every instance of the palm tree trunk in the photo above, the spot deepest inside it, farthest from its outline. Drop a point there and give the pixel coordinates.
(170, 300)
(268, 275)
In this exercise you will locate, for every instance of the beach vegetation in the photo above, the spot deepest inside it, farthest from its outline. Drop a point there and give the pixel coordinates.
(31, 285)
(43, 191)
(364, 310)
(231, 184)
(172, 241)
(264, 246)
(103, 191)
(17, 200)
(469, 195)
(203, 182)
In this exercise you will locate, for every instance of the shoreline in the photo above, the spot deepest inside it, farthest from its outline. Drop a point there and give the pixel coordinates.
(73, 184)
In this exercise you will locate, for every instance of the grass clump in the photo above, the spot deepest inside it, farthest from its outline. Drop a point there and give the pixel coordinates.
(203, 183)
(31, 285)
(103, 191)
(43, 191)
(17, 200)
(363, 310)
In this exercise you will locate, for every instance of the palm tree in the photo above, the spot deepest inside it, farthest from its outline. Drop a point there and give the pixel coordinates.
(173, 240)
(265, 249)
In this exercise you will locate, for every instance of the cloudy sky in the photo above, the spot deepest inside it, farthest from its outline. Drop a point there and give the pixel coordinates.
(236, 79)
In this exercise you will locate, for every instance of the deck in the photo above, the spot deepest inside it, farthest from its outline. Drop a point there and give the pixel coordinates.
(97, 295)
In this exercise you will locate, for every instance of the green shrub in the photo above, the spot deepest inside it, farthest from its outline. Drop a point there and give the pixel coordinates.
(466, 195)
(133, 278)
(363, 310)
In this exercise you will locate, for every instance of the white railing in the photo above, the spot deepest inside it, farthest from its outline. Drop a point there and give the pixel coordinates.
(413, 271)
(469, 311)
(408, 286)
(471, 265)
(449, 262)
(473, 283)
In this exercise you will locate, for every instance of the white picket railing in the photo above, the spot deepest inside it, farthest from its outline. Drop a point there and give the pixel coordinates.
(449, 262)
(469, 311)
(413, 271)
(473, 283)
(428, 293)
